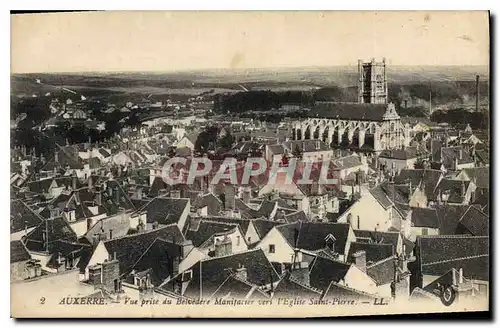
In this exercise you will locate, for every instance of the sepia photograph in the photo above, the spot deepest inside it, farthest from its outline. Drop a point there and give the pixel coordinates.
(249, 164)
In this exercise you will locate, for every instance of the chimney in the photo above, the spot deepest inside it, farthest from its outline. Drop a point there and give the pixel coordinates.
(463, 189)
(229, 197)
(242, 273)
(74, 181)
(360, 260)
(56, 157)
(460, 153)
(98, 197)
(477, 93)
(89, 181)
(461, 273)
(175, 266)
(176, 193)
(155, 225)
(246, 195)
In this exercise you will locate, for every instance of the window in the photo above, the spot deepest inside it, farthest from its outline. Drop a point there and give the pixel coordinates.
(425, 232)
(187, 275)
(249, 240)
(237, 240)
(272, 249)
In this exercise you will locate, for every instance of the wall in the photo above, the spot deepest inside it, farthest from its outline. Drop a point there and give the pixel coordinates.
(418, 231)
(370, 213)
(42, 257)
(235, 247)
(18, 271)
(18, 235)
(283, 251)
(100, 254)
(191, 259)
(418, 199)
(357, 279)
(182, 219)
(252, 234)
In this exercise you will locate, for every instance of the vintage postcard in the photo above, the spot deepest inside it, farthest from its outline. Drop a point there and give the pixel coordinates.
(249, 164)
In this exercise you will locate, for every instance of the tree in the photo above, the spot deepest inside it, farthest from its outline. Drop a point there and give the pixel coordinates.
(297, 152)
(226, 141)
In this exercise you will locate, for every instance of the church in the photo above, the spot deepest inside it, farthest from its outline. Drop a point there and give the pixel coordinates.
(370, 125)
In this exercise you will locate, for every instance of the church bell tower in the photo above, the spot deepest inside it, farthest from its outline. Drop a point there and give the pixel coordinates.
(372, 83)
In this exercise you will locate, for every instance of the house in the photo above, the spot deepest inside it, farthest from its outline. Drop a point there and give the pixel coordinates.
(398, 159)
(206, 277)
(436, 255)
(422, 182)
(323, 271)
(127, 250)
(291, 288)
(456, 158)
(215, 238)
(474, 222)
(379, 210)
(161, 211)
(19, 262)
(185, 142)
(424, 222)
(22, 219)
(350, 164)
(287, 243)
(453, 192)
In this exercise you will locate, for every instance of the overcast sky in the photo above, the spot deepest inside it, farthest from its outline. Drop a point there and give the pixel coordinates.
(166, 41)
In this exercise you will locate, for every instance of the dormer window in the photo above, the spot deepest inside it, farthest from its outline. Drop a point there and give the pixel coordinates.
(330, 242)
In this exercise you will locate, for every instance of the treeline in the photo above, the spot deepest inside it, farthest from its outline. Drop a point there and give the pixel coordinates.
(261, 100)
(477, 120)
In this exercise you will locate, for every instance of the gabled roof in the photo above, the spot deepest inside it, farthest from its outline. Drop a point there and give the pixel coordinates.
(454, 188)
(213, 203)
(296, 216)
(263, 226)
(238, 288)
(159, 259)
(73, 250)
(115, 226)
(323, 271)
(165, 210)
(311, 235)
(130, 248)
(480, 176)
(307, 145)
(347, 162)
(336, 291)
(436, 255)
(449, 215)
(47, 233)
(216, 270)
(402, 154)
(18, 252)
(21, 216)
(200, 231)
(374, 252)
(424, 218)
(450, 154)
(349, 111)
(380, 237)
(382, 271)
(475, 222)
(291, 288)
(427, 179)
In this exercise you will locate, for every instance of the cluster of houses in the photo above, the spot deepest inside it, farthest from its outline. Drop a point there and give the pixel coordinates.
(409, 223)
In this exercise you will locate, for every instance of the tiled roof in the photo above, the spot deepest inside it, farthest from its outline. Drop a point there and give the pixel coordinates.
(263, 226)
(455, 188)
(449, 215)
(336, 291)
(449, 154)
(21, 216)
(475, 222)
(350, 111)
(402, 154)
(291, 288)
(428, 179)
(436, 255)
(214, 205)
(18, 252)
(117, 225)
(306, 146)
(131, 247)
(165, 210)
(296, 216)
(323, 271)
(381, 237)
(424, 218)
(49, 231)
(73, 250)
(159, 258)
(382, 271)
(374, 252)
(216, 270)
(201, 231)
(480, 176)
